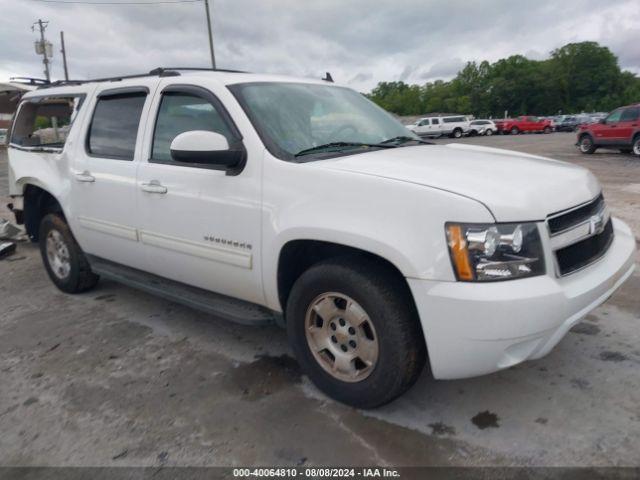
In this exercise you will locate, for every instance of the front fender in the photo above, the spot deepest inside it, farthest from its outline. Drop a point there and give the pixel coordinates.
(398, 221)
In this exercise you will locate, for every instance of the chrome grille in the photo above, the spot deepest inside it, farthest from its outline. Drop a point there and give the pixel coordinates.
(580, 235)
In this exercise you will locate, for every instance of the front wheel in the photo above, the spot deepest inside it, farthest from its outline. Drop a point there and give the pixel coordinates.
(488, 132)
(63, 258)
(636, 145)
(457, 133)
(586, 145)
(546, 130)
(355, 332)
(515, 131)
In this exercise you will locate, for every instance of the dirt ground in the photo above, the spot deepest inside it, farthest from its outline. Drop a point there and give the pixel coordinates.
(115, 377)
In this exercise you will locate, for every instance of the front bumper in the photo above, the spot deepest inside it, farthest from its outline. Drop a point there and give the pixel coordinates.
(477, 328)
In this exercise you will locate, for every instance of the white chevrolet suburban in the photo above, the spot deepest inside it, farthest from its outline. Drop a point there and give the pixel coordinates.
(262, 198)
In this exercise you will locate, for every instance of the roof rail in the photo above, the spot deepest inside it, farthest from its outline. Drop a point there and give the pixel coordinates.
(159, 72)
(29, 80)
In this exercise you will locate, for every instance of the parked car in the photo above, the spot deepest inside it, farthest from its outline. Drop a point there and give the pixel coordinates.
(3, 136)
(482, 127)
(523, 124)
(261, 199)
(620, 129)
(571, 123)
(454, 126)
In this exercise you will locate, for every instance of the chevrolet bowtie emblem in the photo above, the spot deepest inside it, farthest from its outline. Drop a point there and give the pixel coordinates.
(597, 223)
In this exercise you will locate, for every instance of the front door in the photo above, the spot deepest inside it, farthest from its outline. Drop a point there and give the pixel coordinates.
(103, 180)
(199, 224)
(608, 131)
(628, 124)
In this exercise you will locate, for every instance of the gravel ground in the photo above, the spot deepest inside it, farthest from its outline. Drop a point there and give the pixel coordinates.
(115, 377)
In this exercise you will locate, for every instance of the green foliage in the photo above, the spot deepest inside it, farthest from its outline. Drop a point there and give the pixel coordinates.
(42, 122)
(577, 77)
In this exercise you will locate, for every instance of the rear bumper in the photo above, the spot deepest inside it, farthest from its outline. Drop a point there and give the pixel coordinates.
(473, 329)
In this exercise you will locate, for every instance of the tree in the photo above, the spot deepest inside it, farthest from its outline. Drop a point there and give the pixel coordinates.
(577, 77)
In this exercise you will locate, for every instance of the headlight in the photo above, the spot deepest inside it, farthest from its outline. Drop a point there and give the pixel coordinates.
(489, 252)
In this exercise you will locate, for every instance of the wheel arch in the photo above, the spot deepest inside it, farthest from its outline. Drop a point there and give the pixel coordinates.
(38, 202)
(298, 255)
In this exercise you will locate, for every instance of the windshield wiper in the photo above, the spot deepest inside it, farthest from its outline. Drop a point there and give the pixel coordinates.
(325, 146)
(404, 139)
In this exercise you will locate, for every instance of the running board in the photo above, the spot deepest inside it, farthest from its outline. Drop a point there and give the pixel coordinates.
(228, 308)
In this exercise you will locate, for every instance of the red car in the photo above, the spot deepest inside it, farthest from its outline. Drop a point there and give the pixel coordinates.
(620, 129)
(522, 124)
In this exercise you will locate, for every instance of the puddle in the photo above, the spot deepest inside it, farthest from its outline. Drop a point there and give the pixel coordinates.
(486, 419)
(265, 376)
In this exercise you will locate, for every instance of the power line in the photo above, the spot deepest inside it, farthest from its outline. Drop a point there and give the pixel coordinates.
(152, 2)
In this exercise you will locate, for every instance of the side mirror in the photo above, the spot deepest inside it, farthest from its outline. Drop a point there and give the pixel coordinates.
(203, 147)
(603, 121)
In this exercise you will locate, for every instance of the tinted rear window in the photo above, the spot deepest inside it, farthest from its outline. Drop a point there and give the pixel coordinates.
(114, 127)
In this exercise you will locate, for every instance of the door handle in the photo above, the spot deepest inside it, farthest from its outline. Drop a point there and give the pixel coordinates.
(85, 177)
(153, 186)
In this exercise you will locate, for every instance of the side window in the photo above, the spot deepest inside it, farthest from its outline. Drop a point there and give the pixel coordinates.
(630, 114)
(614, 116)
(183, 112)
(424, 122)
(45, 122)
(114, 126)
(435, 121)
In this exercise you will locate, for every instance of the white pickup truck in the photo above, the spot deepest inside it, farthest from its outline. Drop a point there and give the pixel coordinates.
(263, 198)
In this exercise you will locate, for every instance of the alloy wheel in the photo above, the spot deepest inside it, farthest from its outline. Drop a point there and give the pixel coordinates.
(341, 337)
(58, 255)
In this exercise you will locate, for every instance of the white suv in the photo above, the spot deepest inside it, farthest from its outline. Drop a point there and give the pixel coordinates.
(482, 127)
(262, 198)
(454, 126)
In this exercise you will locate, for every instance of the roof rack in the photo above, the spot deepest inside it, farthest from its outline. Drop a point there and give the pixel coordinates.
(156, 72)
(29, 80)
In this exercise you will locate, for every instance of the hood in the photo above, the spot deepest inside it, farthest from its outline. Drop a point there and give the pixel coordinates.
(514, 186)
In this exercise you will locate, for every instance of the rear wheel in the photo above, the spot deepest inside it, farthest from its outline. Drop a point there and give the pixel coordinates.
(355, 332)
(457, 133)
(63, 258)
(586, 144)
(547, 130)
(636, 145)
(515, 131)
(488, 132)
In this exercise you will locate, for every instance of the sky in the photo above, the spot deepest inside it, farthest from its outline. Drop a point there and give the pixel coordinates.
(361, 42)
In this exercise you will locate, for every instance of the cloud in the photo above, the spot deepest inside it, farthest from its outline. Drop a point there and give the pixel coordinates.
(360, 42)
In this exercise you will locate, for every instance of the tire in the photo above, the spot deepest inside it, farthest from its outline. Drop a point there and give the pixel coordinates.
(636, 145)
(586, 145)
(488, 132)
(515, 131)
(546, 130)
(391, 323)
(63, 258)
(457, 133)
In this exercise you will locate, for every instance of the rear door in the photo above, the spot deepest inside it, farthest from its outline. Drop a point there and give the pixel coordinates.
(104, 173)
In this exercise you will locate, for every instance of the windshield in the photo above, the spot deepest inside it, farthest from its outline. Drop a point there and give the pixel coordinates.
(296, 117)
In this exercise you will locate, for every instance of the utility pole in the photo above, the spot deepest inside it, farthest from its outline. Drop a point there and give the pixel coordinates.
(213, 57)
(43, 48)
(64, 56)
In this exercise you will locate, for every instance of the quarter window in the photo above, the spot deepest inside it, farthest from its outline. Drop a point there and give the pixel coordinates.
(114, 127)
(45, 122)
(183, 112)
